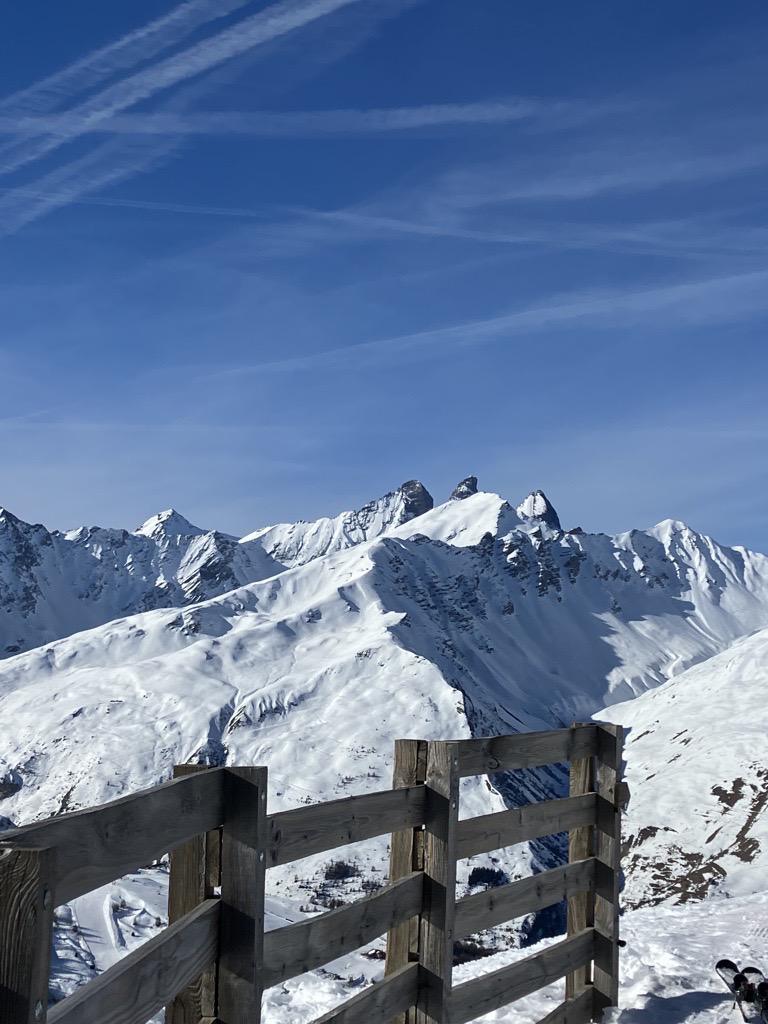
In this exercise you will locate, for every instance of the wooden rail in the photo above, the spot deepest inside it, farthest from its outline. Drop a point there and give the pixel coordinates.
(214, 960)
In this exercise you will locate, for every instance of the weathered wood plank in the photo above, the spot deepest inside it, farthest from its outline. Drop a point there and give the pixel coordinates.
(140, 984)
(573, 1011)
(581, 906)
(194, 874)
(520, 824)
(96, 846)
(439, 904)
(526, 750)
(387, 998)
(319, 827)
(608, 850)
(492, 991)
(406, 855)
(26, 920)
(502, 903)
(243, 871)
(301, 947)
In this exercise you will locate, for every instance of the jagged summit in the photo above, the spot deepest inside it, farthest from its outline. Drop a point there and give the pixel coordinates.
(169, 522)
(416, 498)
(464, 488)
(538, 506)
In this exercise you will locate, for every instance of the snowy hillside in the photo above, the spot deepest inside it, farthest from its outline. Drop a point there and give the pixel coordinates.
(55, 584)
(697, 822)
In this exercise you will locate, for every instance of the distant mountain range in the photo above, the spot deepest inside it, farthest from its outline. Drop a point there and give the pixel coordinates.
(310, 647)
(53, 584)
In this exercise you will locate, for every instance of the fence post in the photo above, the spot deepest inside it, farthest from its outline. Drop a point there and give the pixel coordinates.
(438, 910)
(195, 869)
(581, 844)
(406, 855)
(243, 871)
(27, 884)
(608, 853)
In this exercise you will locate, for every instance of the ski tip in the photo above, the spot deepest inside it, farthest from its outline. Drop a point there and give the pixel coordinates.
(726, 965)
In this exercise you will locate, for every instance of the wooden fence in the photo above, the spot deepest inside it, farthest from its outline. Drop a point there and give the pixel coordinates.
(214, 960)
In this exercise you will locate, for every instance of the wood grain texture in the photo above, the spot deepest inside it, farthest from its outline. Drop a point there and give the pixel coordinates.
(520, 824)
(578, 1010)
(319, 827)
(608, 850)
(243, 871)
(492, 991)
(26, 921)
(96, 846)
(440, 854)
(195, 869)
(581, 844)
(301, 947)
(406, 855)
(502, 903)
(387, 998)
(144, 981)
(526, 750)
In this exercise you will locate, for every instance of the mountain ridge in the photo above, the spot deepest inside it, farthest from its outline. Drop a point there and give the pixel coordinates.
(55, 583)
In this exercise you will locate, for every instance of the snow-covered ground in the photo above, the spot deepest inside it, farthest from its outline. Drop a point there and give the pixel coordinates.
(667, 974)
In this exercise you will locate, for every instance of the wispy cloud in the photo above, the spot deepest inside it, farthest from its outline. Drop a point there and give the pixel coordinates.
(105, 165)
(309, 123)
(119, 56)
(271, 23)
(114, 161)
(689, 303)
(624, 168)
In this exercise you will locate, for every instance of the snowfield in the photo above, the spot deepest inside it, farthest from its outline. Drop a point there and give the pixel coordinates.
(311, 647)
(667, 974)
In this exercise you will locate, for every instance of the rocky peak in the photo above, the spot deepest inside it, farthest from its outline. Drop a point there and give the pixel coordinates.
(416, 499)
(464, 489)
(537, 506)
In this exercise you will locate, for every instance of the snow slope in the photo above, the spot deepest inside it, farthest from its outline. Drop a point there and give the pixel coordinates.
(697, 770)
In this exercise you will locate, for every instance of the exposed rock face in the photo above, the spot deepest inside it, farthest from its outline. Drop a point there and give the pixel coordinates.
(465, 488)
(10, 784)
(538, 506)
(416, 499)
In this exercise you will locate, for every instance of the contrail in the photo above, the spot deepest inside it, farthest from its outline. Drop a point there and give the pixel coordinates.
(142, 44)
(275, 21)
(296, 123)
(96, 170)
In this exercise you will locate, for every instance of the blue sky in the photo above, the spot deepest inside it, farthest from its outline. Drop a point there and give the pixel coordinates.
(266, 261)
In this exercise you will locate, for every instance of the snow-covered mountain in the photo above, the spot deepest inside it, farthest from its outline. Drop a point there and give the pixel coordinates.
(697, 823)
(53, 584)
(470, 618)
(310, 647)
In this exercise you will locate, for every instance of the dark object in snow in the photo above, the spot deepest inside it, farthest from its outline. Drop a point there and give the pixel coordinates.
(743, 985)
(339, 870)
(487, 876)
(467, 950)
